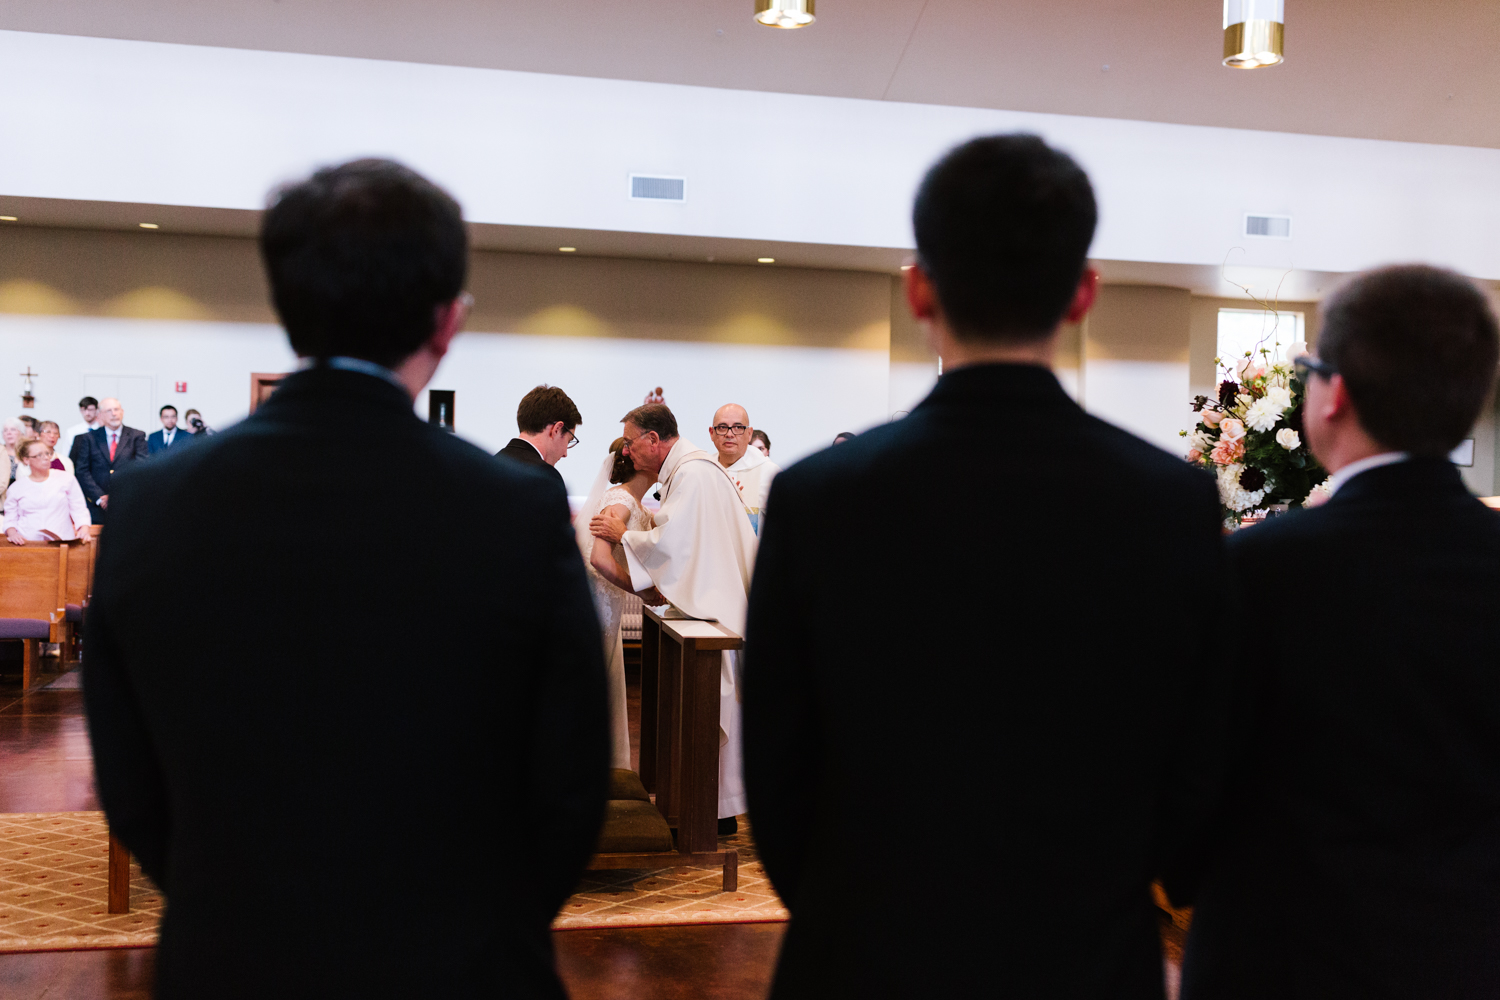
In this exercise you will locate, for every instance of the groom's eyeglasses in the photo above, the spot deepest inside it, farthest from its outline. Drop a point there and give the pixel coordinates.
(724, 430)
(1304, 363)
(572, 440)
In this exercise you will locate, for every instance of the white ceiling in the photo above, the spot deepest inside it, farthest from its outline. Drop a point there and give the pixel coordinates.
(1413, 70)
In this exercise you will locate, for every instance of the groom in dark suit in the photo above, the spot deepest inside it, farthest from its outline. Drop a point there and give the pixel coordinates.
(102, 452)
(999, 680)
(1359, 852)
(310, 790)
(546, 419)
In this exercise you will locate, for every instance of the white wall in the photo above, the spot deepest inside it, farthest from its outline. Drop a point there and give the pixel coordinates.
(801, 396)
(128, 121)
(1147, 398)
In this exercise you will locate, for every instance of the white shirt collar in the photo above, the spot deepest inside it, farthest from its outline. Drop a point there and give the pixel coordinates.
(166, 435)
(1353, 469)
(752, 458)
(537, 450)
(354, 365)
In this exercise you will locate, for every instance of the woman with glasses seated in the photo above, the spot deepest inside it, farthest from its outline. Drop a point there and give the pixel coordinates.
(44, 504)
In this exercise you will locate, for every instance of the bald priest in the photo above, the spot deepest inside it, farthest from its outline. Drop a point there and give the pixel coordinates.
(749, 468)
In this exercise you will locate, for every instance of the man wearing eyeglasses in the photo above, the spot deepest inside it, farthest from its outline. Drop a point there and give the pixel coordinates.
(751, 470)
(1359, 850)
(546, 419)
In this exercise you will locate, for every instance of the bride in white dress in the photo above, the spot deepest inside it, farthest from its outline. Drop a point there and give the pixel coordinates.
(618, 488)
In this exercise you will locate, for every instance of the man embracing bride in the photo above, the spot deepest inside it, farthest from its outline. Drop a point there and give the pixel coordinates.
(697, 554)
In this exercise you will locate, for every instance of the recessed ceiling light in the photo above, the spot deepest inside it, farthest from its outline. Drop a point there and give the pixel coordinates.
(149, 225)
(7, 218)
(568, 249)
(765, 260)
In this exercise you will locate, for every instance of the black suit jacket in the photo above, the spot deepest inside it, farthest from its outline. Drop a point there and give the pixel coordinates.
(985, 684)
(93, 467)
(1360, 853)
(156, 441)
(327, 813)
(522, 451)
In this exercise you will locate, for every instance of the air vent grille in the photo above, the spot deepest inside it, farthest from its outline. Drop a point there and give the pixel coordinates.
(658, 188)
(1275, 227)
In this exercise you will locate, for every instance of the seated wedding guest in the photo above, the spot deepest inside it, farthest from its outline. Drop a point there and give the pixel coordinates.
(1359, 851)
(12, 433)
(844, 436)
(88, 409)
(761, 442)
(33, 425)
(749, 467)
(1003, 697)
(266, 810)
(51, 434)
(44, 504)
(104, 451)
(546, 419)
(170, 436)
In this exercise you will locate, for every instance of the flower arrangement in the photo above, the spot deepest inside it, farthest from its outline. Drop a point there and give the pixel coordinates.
(1250, 437)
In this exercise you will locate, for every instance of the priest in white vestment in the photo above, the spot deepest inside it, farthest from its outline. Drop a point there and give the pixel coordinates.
(699, 556)
(751, 470)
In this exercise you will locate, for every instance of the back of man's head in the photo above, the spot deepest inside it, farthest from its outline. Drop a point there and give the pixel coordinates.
(544, 406)
(1003, 227)
(1417, 347)
(359, 257)
(653, 417)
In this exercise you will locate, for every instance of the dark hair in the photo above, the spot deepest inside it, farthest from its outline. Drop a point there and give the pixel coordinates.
(164, 409)
(624, 469)
(844, 436)
(1417, 347)
(764, 437)
(359, 256)
(30, 421)
(653, 417)
(86, 402)
(544, 406)
(1003, 227)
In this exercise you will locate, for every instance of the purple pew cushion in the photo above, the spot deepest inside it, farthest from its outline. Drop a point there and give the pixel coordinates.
(75, 613)
(24, 628)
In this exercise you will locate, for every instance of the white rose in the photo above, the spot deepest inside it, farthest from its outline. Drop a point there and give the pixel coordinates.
(1280, 396)
(1295, 351)
(1288, 439)
(1199, 440)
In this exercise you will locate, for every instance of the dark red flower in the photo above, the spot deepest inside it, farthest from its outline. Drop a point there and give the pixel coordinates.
(1251, 479)
(1227, 391)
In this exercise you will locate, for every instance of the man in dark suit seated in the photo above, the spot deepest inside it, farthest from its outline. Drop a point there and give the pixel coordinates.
(279, 756)
(546, 420)
(170, 436)
(993, 685)
(1359, 851)
(102, 452)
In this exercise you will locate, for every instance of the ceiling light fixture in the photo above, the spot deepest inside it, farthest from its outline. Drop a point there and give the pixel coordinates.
(907, 267)
(7, 218)
(765, 260)
(568, 249)
(785, 13)
(149, 225)
(1253, 33)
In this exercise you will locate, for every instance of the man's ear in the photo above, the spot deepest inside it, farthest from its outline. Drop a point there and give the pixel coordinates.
(450, 318)
(921, 296)
(1083, 296)
(1339, 401)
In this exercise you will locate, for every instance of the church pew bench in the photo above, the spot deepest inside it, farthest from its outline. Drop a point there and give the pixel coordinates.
(33, 599)
(680, 664)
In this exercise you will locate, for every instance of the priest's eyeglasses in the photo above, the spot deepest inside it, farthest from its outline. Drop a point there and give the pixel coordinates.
(1304, 363)
(724, 430)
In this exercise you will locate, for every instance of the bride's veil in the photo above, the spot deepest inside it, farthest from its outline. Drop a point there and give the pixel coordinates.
(591, 506)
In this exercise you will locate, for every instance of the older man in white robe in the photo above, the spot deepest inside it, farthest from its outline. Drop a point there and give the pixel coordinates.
(751, 470)
(699, 556)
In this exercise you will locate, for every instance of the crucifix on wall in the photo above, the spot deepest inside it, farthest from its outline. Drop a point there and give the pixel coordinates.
(28, 400)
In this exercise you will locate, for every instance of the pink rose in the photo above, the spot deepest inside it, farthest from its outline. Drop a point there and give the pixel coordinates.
(1212, 417)
(1228, 451)
(1231, 429)
(1194, 455)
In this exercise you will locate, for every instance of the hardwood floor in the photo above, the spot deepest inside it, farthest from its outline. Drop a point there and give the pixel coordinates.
(46, 766)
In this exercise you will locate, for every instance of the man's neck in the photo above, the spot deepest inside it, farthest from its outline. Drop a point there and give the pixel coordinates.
(532, 440)
(959, 353)
(728, 460)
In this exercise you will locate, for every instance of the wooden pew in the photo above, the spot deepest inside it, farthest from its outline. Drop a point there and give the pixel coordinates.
(33, 598)
(80, 592)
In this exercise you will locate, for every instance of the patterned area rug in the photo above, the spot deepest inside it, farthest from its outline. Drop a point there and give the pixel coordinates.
(667, 896)
(53, 887)
(53, 892)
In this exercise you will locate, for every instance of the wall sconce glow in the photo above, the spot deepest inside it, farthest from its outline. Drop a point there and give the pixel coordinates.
(907, 267)
(149, 225)
(7, 218)
(1253, 33)
(567, 249)
(765, 260)
(785, 13)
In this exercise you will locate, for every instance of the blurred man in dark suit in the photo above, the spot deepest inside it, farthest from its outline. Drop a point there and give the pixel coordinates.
(170, 436)
(546, 420)
(274, 756)
(1359, 852)
(102, 452)
(998, 680)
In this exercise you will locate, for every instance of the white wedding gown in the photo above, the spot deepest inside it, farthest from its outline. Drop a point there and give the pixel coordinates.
(610, 602)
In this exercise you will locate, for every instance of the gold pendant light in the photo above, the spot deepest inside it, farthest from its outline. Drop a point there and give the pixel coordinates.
(785, 13)
(1253, 33)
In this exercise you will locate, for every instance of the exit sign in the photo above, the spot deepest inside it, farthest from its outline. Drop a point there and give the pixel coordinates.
(181, 386)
